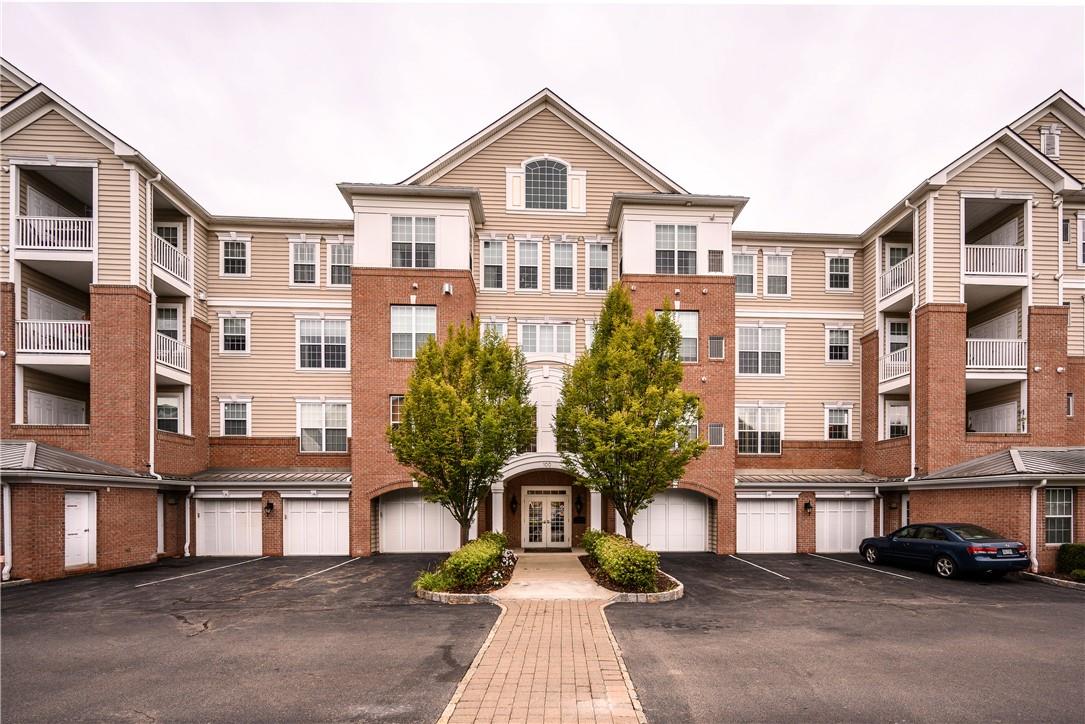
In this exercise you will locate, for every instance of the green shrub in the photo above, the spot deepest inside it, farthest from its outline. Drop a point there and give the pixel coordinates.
(432, 581)
(465, 567)
(627, 563)
(496, 537)
(1071, 557)
(591, 539)
(1078, 574)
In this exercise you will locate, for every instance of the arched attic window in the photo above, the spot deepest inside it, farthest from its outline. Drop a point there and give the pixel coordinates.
(546, 184)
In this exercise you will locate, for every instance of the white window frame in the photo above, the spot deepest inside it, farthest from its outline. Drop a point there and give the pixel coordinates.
(413, 242)
(323, 319)
(760, 406)
(222, 334)
(295, 243)
(1080, 241)
(589, 333)
(1048, 134)
(678, 314)
(723, 342)
(483, 264)
(234, 400)
(391, 406)
(538, 266)
(836, 407)
(324, 425)
(722, 431)
(1069, 404)
(897, 404)
(675, 250)
(245, 239)
(333, 244)
(890, 337)
(177, 307)
(553, 266)
(179, 400)
(786, 254)
(589, 267)
(829, 256)
(414, 327)
(894, 245)
(179, 225)
(761, 350)
(753, 281)
(502, 326)
(538, 336)
(829, 329)
(723, 261)
(1047, 517)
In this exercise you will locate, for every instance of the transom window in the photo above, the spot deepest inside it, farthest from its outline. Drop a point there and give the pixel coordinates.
(493, 265)
(235, 418)
(414, 241)
(235, 334)
(235, 257)
(340, 260)
(745, 273)
(563, 266)
(839, 273)
(838, 345)
(760, 430)
(546, 338)
(527, 265)
(598, 267)
(546, 185)
(323, 426)
(777, 275)
(303, 262)
(896, 418)
(676, 249)
(838, 423)
(760, 350)
(322, 343)
(1059, 515)
(412, 327)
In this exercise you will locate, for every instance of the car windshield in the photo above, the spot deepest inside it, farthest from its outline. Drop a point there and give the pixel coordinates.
(973, 532)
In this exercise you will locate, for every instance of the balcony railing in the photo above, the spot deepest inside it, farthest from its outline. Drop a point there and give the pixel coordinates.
(997, 354)
(52, 337)
(994, 260)
(57, 233)
(171, 352)
(170, 258)
(896, 278)
(895, 364)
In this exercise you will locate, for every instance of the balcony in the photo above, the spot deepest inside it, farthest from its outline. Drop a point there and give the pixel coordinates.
(58, 347)
(896, 278)
(169, 258)
(172, 353)
(1010, 355)
(59, 233)
(893, 369)
(998, 261)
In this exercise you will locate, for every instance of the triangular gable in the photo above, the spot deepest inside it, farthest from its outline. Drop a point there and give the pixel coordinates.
(1021, 152)
(1062, 106)
(545, 100)
(16, 76)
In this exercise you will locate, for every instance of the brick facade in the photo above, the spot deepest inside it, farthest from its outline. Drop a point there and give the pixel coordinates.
(271, 453)
(272, 524)
(807, 455)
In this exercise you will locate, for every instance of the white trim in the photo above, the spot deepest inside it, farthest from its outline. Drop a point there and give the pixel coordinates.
(332, 241)
(752, 253)
(929, 250)
(414, 327)
(534, 491)
(538, 266)
(847, 407)
(1047, 133)
(133, 226)
(588, 266)
(848, 254)
(777, 252)
(247, 316)
(294, 243)
(576, 253)
(278, 303)
(181, 413)
(829, 328)
(1073, 496)
(761, 405)
(482, 264)
(181, 336)
(818, 314)
(323, 424)
(322, 318)
(92, 527)
(246, 239)
(236, 400)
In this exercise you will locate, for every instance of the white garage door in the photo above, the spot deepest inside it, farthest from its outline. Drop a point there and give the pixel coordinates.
(842, 523)
(408, 524)
(676, 520)
(766, 525)
(228, 527)
(316, 527)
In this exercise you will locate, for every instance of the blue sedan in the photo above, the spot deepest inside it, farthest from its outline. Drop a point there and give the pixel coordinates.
(949, 548)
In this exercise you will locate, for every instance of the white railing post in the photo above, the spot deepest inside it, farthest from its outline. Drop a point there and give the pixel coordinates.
(171, 352)
(170, 258)
(895, 364)
(64, 233)
(1002, 354)
(39, 336)
(895, 278)
(997, 260)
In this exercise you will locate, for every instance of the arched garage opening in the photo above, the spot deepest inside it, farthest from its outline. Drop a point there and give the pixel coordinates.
(675, 520)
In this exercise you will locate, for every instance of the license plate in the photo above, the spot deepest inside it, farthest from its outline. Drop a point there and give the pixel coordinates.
(1006, 552)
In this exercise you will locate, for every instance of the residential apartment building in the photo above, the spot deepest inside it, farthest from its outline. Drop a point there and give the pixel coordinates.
(177, 382)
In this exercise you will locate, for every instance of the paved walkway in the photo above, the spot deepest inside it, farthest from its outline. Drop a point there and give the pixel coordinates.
(551, 656)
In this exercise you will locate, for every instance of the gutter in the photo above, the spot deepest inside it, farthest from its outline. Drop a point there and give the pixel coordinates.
(188, 512)
(7, 533)
(1032, 524)
(149, 270)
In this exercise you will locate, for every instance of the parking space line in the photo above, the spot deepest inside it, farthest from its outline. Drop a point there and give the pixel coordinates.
(329, 568)
(196, 573)
(766, 570)
(865, 568)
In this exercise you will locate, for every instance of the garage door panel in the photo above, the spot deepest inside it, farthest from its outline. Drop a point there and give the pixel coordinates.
(676, 520)
(842, 523)
(409, 524)
(317, 527)
(229, 527)
(765, 525)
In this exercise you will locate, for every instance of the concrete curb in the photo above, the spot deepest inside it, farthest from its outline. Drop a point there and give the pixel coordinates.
(633, 696)
(1053, 581)
(662, 597)
(456, 598)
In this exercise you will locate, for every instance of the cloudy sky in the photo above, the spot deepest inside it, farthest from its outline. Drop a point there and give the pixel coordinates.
(824, 117)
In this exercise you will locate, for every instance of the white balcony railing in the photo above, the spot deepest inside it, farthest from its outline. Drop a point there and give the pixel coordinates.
(52, 337)
(895, 364)
(58, 233)
(171, 352)
(997, 354)
(170, 258)
(995, 260)
(896, 277)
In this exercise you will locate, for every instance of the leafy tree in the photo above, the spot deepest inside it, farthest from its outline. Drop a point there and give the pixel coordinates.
(622, 423)
(465, 413)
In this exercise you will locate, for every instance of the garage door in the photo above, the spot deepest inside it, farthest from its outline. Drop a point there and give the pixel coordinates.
(842, 523)
(676, 520)
(408, 524)
(766, 525)
(316, 527)
(228, 527)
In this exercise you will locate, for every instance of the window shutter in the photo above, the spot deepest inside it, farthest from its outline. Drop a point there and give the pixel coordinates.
(577, 198)
(514, 188)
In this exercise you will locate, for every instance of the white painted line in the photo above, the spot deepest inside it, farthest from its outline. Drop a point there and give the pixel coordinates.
(865, 568)
(325, 570)
(762, 568)
(206, 570)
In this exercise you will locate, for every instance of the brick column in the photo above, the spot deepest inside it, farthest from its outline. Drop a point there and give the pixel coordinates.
(1047, 345)
(939, 364)
(868, 424)
(7, 363)
(806, 525)
(272, 529)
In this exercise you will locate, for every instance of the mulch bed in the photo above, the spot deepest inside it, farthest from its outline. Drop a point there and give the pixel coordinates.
(663, 583)
(488, 583)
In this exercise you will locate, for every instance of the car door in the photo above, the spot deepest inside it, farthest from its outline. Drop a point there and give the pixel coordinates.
(927, 544)
(899, 546)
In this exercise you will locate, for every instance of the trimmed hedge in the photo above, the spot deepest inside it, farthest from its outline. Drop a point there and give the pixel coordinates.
(627, 563)
(1071, 557)
(465, 567)
(591, 539)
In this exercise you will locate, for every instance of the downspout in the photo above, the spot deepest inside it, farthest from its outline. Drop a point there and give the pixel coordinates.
(188, 512)
(881, 511)
(911, 336)
(1032, 526)
(7, 532)
(149, 271)
(1056, 203)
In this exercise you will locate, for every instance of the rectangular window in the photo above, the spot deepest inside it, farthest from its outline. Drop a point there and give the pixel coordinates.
(777, 275)
(838, 273)
(322, 426)
(303, 262)
(340, 260)
(562, 267)
(546, 338)
(235, 335)
(1058, 515)
(500, 328)
(412, 327)
(715, 434)
(715, 347)
(896, 419)
(1069, 404)
(1049, 141)
(168, 320)
(235, 418)
(688, 328)
(760, 350)
(235, 257)
(1066, 231)
(838, 345)
(898, 335)
(414, 241)
(322, 344)
(896, 254)
(395, 410)
(527, 265)
(169, 413)
(745, 273)
(676, 249)
(493, 265)
(760, 430)
(838, 423)
(715, 261)
(598, 267)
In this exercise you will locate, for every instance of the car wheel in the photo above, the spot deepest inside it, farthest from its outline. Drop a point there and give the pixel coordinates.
(945, 567)
(871, 554)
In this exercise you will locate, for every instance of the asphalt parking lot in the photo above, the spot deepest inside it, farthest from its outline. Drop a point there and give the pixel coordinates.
(811, 639)
(277, 639)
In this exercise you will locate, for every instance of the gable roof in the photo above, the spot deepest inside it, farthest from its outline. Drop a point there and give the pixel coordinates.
(1018, 461)
(20, 79)
(1060, 104)
(545, 99)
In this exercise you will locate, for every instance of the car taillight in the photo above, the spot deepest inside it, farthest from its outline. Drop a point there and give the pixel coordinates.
(977, 550)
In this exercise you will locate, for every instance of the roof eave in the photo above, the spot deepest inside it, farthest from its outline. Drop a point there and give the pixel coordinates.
(620, 200)
(470, 193)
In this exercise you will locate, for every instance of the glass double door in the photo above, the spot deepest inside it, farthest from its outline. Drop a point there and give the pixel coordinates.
(545, 523)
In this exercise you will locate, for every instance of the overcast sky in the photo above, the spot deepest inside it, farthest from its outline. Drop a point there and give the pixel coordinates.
(824, 117)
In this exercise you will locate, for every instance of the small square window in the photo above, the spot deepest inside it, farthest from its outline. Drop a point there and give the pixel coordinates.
(715, 434)
(715, 347)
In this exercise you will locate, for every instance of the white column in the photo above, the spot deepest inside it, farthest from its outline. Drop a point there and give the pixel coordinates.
(497, 509)
(596, 504)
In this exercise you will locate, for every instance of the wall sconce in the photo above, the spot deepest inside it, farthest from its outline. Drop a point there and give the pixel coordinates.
(269, 507)
(807, 506)
(578, 504)
(513, 506)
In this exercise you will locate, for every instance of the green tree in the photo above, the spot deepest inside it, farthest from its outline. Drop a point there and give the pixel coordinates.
(622, 424)
(465, 413)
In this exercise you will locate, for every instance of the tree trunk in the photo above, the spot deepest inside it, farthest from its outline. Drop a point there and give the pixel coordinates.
(628, 528)
(465, 531)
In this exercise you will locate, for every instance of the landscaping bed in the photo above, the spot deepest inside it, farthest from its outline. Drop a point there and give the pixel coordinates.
(663, 582)
(619, 564)
(481, 566)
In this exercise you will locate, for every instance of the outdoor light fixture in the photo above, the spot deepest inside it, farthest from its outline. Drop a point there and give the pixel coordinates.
(807, 506)
(578, 504)
(269, 507)
(512, 503)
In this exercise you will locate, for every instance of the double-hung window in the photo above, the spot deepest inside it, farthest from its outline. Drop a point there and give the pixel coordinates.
(546, 338)
(340, 260)
(760, 350)
(598, 267)
(777, 275)
(715, 261)
(837, 423)
(235, 335)
(1058, 515)
(896, 418)
(715, 434)
(395, 410)
(322, 426)
(303, 262)
(493, 264)
(898, 335)
(235, 418)
(501, 329)
(760, 430)
(716, 347)
(168, 415)
(838, 344)
(838, 273)
(322, 344)
(527, 265)
(676, 249)
(745, 273)
(412, 327)
(414, 241)
(563, 267)
(688, 329)
(235, 255)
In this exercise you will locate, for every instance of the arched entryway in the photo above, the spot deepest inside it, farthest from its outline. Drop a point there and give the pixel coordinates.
(544, 510)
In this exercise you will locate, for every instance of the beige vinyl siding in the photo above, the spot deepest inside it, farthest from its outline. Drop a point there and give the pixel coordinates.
(141, 193)
(1009, 303)
(5, 221)
(808, 280)
(1071, 145)
(8, 90)
(1071, 251)
(39, 381)
(202, 253)
(808, 381)
(869, 287)
(545, 133)
(47, 285)
(268, 373)
(921, 250)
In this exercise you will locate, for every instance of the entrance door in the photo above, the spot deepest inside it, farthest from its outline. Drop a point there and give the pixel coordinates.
(78, 529)
(546, 523)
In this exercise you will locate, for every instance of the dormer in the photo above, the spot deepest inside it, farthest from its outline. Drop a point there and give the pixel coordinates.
(546, 185)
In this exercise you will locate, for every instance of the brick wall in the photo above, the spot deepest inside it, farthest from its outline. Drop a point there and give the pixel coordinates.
(272, 528)
(189, 454)
(271, 453)
(808, 455)
(1003, 510)
(1075, 382)
(806, 524)
(939, 364)
(7, 362)
(1047, 344)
